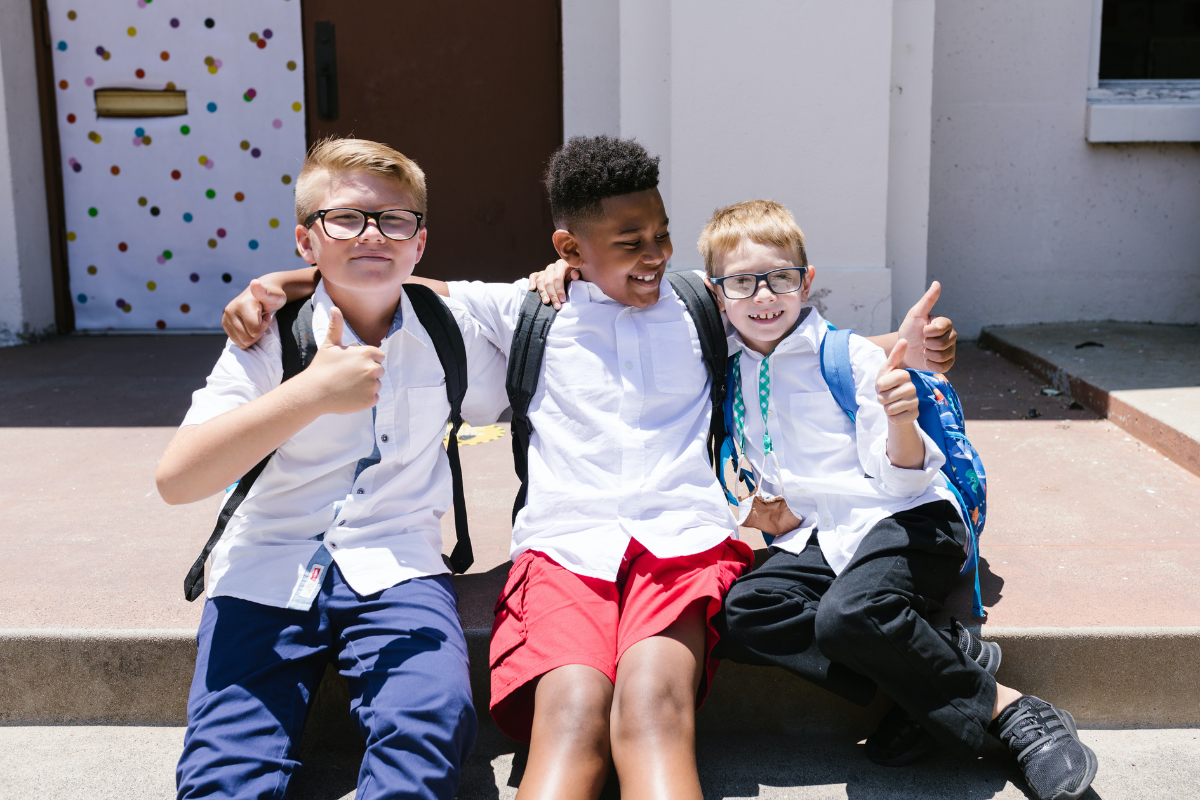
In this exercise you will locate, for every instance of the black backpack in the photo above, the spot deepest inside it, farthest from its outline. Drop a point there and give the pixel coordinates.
(529, 346)
(299, 348)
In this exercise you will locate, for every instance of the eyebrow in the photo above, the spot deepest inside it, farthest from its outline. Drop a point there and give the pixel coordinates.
(665, 223)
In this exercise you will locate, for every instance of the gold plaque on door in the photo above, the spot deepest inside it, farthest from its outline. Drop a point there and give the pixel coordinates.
(140, 103)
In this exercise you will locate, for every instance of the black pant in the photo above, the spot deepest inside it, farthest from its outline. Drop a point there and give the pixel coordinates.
(868, 626)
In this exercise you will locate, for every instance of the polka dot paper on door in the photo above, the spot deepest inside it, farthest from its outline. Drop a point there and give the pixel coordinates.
(191, 172)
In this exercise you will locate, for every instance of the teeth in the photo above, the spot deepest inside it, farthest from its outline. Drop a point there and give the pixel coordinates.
(645, 278)
(766, 315)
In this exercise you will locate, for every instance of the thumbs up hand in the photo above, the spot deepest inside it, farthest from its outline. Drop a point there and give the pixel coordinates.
(934, 338)
(345, 379)
(895, 389)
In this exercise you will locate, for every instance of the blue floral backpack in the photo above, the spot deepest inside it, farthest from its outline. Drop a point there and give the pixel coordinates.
(940, 415)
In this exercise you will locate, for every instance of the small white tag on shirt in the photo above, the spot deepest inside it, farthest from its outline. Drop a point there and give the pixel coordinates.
(309, 586)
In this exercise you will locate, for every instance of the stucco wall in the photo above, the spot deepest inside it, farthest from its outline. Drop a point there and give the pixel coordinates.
(1027, 221)
(26, 284)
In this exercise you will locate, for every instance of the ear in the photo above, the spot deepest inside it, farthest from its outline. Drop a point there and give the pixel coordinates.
(806, 287)
(567, 245)
(421, 236)
(719, 295)
(304, 244)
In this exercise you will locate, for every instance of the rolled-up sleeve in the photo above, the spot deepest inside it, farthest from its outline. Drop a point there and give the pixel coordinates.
(238, 377)
(494, 306)
(872, 428)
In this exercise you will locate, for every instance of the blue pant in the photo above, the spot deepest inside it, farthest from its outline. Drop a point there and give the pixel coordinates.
(402, 652)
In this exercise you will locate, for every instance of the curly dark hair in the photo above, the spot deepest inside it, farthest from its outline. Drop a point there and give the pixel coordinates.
(588, 169)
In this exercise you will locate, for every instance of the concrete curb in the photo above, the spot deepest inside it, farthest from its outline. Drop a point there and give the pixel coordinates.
(1106, 677)
(1174, 444)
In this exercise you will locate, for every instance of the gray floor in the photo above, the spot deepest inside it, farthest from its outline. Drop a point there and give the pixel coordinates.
(136, 763)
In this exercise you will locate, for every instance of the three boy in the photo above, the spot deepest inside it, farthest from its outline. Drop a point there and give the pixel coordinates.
(335, 554)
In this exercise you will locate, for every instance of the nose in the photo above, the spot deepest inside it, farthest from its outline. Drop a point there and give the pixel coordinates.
(763, 292)
(371, 229)
(653, 254)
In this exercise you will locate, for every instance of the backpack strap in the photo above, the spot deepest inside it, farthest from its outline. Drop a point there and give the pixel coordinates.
(835, 369)
(299, 348)
(439, 323)
(524, 370)
(714, 349)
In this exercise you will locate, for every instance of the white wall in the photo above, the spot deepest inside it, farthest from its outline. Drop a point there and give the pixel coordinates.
(1027, 221)
(782, 99)
(26, 284)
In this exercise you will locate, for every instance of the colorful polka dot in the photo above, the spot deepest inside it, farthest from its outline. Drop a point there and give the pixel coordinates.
(211, 107)
(71, 118)
(63, 84)
(255, 153)
(122, 247)
(106, 56)
(115, 170)
(151, 285)
(127, 308)
(254, 244)
(286, 179)
(92, 270)
(71, 15)
(161, 324)
(244, 145)
(154, 211)
(267, 33)
(167, 254)
(185, 130)
(93, 211)
(202, 160)
(221, 233)
(208, 23)
(164, 55)
(212, 242)
(141, 73)
(62, 46)
(274, 223)
(174, 22)
(89, 81)
(145, 140)
(137, 142)
(82, 298)
(120, 302)
(176, 174)
(226, 277)
(210, 194)
(250, 95)
(139, 132)
(194, 278)
(185, 308)
(276, 124)
(70, 236)
(142, 201)
(93, 136)
(170, 87)
(239, 196)
(291, 65)
(132, 31)
(253, 37)
(296, 106)
(187, 216)
(262, 43)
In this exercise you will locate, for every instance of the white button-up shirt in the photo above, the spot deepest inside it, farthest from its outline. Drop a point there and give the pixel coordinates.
(836, 475)
(381, 527)
(620, 419)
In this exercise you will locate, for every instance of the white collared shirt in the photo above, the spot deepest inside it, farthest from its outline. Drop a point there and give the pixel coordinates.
(620, 419)
(381, 528)
(836, 475)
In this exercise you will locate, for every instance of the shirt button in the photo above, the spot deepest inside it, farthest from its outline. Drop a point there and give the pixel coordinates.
(343, 522)
(628, 365)
(383, 438)
(333, 545)
(827, 522)
(361, 491)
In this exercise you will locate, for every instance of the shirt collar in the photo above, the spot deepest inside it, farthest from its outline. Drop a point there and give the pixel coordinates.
(323, 306)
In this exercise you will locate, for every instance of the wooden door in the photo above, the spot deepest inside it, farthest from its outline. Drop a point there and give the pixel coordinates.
(469, 89)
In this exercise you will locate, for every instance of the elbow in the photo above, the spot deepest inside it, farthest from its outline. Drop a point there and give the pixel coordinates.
(168, 483)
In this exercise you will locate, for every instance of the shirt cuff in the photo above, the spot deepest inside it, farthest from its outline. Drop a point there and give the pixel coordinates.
(900, 482)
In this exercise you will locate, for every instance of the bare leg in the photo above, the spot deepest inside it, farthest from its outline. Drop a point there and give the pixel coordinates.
(1005, 697)
(654, 711)
(569, 752)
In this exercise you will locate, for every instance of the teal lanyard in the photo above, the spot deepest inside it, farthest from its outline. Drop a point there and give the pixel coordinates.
(764, 402)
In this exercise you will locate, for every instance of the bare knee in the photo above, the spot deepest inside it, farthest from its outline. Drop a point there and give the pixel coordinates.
(572, 705)
(652, 707)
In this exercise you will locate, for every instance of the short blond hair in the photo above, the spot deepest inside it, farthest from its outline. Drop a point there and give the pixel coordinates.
(762, 221)
(330, 156)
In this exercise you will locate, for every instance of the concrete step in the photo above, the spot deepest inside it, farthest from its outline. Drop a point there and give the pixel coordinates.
(137, 763)
(1144, 377)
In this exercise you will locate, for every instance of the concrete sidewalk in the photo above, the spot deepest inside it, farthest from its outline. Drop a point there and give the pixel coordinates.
(1144, 377)
(1090, 563)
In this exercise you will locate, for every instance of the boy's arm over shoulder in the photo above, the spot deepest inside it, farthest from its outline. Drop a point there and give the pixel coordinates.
(245, 412)
(486, 370)
(494, 306)
(931, 340)
(871, 428)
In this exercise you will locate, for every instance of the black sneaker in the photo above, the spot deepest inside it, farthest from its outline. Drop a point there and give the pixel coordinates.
(900, 739)
(1056, 764)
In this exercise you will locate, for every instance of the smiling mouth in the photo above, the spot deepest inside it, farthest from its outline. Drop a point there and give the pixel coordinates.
(651, 278)
(766, 316)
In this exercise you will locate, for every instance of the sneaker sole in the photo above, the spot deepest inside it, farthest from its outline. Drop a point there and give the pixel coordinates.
(1093, 764)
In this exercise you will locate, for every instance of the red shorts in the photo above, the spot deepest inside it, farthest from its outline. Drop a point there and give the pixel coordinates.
(548, 617)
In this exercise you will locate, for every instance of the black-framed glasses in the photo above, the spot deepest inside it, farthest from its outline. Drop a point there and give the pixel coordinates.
(745, 284)
(398, 224)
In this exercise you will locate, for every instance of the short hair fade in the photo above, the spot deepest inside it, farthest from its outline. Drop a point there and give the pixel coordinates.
(333, 155)
(588, 169)
(762, 221)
